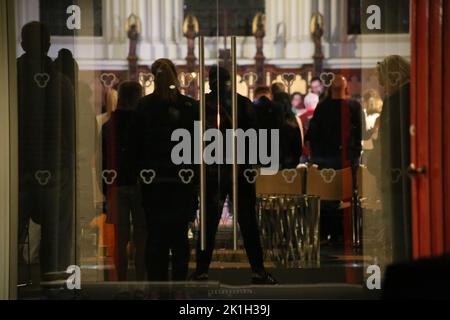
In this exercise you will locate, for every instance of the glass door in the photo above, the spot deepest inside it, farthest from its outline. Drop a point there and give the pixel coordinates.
(191, 145)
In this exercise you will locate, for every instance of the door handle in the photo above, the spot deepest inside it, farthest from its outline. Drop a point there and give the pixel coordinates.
(415, 171)
(235, 125)
(202, 221)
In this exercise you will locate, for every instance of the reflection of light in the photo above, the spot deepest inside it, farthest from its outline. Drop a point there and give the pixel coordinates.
(218, 118)
(194, 75)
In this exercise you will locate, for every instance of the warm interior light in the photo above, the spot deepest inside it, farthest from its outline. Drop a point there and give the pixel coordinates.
(218, 117)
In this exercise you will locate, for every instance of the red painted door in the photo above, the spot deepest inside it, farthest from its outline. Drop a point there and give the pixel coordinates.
(430, 134)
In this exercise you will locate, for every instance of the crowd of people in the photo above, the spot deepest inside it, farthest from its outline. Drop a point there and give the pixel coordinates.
(145, 199)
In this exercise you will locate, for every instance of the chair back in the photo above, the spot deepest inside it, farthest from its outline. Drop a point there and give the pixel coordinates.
(285, 182)
(330, 184)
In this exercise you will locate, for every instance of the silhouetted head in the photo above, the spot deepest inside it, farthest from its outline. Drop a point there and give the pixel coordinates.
(65, 55)
(219, 79)
(35, 39)
(393, 72)
(263, 91)
(166, 80)
(129, 94)
(168, 62)
(338, 88)
(277, 88)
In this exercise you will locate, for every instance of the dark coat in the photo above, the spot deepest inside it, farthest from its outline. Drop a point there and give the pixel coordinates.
(335, 131)
(167, 197)
(119, 147)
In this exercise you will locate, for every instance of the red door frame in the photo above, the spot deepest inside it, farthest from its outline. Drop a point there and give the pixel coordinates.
(430, 139)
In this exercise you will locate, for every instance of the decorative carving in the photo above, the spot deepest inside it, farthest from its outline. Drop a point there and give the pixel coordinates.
(133, 28)
(317, 28)
(259, 31)
(146, 79)
(190, 30)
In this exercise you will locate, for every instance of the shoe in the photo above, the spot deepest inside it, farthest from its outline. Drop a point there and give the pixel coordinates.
(263, 278)
(199, 277)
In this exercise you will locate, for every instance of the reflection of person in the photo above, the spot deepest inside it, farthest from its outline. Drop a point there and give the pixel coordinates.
(46, 104)
(67, 65)
(119, 146)
(169, 203)
(391, 153)
(219, 182)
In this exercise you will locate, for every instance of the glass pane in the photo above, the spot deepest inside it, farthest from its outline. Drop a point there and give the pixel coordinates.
(110, 157)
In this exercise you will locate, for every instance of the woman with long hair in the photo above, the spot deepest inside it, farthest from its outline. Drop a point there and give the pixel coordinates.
(390, 157)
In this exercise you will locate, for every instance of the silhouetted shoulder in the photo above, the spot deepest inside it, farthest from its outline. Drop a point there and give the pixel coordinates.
(145, 102)
(188, 101)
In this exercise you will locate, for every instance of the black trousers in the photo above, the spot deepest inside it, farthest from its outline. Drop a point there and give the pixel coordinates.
(215, 197)
(164, 236)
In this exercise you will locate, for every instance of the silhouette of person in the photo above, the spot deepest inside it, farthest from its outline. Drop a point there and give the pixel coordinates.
(391, 154)
(67, 65)
(170, 203)
(46, 105)
(335, 131)
(123, 196)
(335, 136)
(219, 181)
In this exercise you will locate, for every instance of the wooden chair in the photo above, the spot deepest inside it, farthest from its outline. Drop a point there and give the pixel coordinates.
(335, 185)
(286, 182)
(330, 185)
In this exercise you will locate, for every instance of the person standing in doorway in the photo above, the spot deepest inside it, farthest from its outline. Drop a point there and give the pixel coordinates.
(219, 181)
(169, 196)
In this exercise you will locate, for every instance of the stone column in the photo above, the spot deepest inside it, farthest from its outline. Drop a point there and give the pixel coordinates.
(306, 42)
(169, 28)
(293, 42)
(156, 29)
(271, 26)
